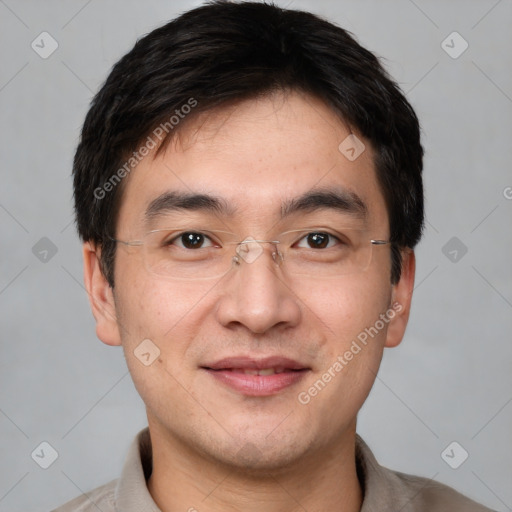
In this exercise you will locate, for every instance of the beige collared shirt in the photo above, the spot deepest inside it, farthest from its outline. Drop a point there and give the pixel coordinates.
(384, 490)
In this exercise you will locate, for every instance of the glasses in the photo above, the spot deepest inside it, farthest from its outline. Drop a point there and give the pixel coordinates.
(195, 254)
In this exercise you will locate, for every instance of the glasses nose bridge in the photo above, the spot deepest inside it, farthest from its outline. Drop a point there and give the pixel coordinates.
(250, 249)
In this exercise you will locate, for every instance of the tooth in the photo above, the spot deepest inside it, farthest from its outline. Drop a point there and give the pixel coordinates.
(251, 372)
(267, 371)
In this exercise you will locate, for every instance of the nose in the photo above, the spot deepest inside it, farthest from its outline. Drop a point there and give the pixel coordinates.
(256, 293)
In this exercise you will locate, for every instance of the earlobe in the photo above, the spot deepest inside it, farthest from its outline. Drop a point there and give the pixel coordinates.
(401, 300)
(101, 297)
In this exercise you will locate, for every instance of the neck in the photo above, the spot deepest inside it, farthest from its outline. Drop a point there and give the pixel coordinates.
(183, 479)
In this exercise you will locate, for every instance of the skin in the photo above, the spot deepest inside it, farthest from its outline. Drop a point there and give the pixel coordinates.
(213, 448)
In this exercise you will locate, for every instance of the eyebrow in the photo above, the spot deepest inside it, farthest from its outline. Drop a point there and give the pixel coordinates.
(330, 198)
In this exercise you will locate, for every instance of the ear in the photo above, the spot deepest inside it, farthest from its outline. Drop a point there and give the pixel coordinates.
(401, 298)
(101, 296)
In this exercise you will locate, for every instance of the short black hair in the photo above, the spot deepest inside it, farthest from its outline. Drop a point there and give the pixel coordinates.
(225, 52)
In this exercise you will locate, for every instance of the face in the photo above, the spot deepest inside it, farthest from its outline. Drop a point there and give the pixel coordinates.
(255, 158)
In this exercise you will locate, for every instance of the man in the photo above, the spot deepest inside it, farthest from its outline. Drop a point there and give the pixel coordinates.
(248, 189)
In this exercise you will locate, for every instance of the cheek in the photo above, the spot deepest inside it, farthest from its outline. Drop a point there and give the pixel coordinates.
(152, 307)
(157, 321)
(343, 308)
(169, 314)
(349, 313)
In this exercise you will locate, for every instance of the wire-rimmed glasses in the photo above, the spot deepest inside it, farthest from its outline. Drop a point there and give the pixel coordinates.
(190, 253)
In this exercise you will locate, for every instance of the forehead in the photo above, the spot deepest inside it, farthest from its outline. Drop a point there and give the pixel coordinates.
(257, 159)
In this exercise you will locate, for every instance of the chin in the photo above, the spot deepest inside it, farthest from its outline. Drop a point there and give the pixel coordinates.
(254, 461)
(261, 450)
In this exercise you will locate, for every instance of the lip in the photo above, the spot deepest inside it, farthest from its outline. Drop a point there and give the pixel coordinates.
(228, 371)
(253, 363)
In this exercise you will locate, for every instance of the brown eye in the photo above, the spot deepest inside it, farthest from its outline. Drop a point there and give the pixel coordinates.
(318, 240)
(190, 240)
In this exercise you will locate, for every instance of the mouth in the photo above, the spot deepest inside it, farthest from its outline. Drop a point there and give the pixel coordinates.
(257, 377)
(263, 371)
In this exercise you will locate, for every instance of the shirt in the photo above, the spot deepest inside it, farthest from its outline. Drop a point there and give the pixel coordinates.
(384, 490)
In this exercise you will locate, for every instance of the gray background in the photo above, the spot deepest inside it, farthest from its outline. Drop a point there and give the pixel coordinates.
(451, 378)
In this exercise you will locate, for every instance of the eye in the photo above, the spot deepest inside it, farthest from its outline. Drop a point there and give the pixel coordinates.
(319, 240)
(190, 240)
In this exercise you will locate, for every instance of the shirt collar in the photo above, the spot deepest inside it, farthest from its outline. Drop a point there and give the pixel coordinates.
(379, 491)
(380, 485)
(131, 492)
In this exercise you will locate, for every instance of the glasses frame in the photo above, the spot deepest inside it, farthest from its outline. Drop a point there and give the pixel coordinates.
(277, 255)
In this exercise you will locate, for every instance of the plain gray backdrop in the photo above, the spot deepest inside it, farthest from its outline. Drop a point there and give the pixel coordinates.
(451, 378)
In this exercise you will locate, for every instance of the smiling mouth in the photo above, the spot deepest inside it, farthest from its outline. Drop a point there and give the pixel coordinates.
(257, 382)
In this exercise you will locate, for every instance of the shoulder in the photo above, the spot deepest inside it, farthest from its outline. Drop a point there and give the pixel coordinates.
(102, 498)
(386, 490)
(423, 494)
